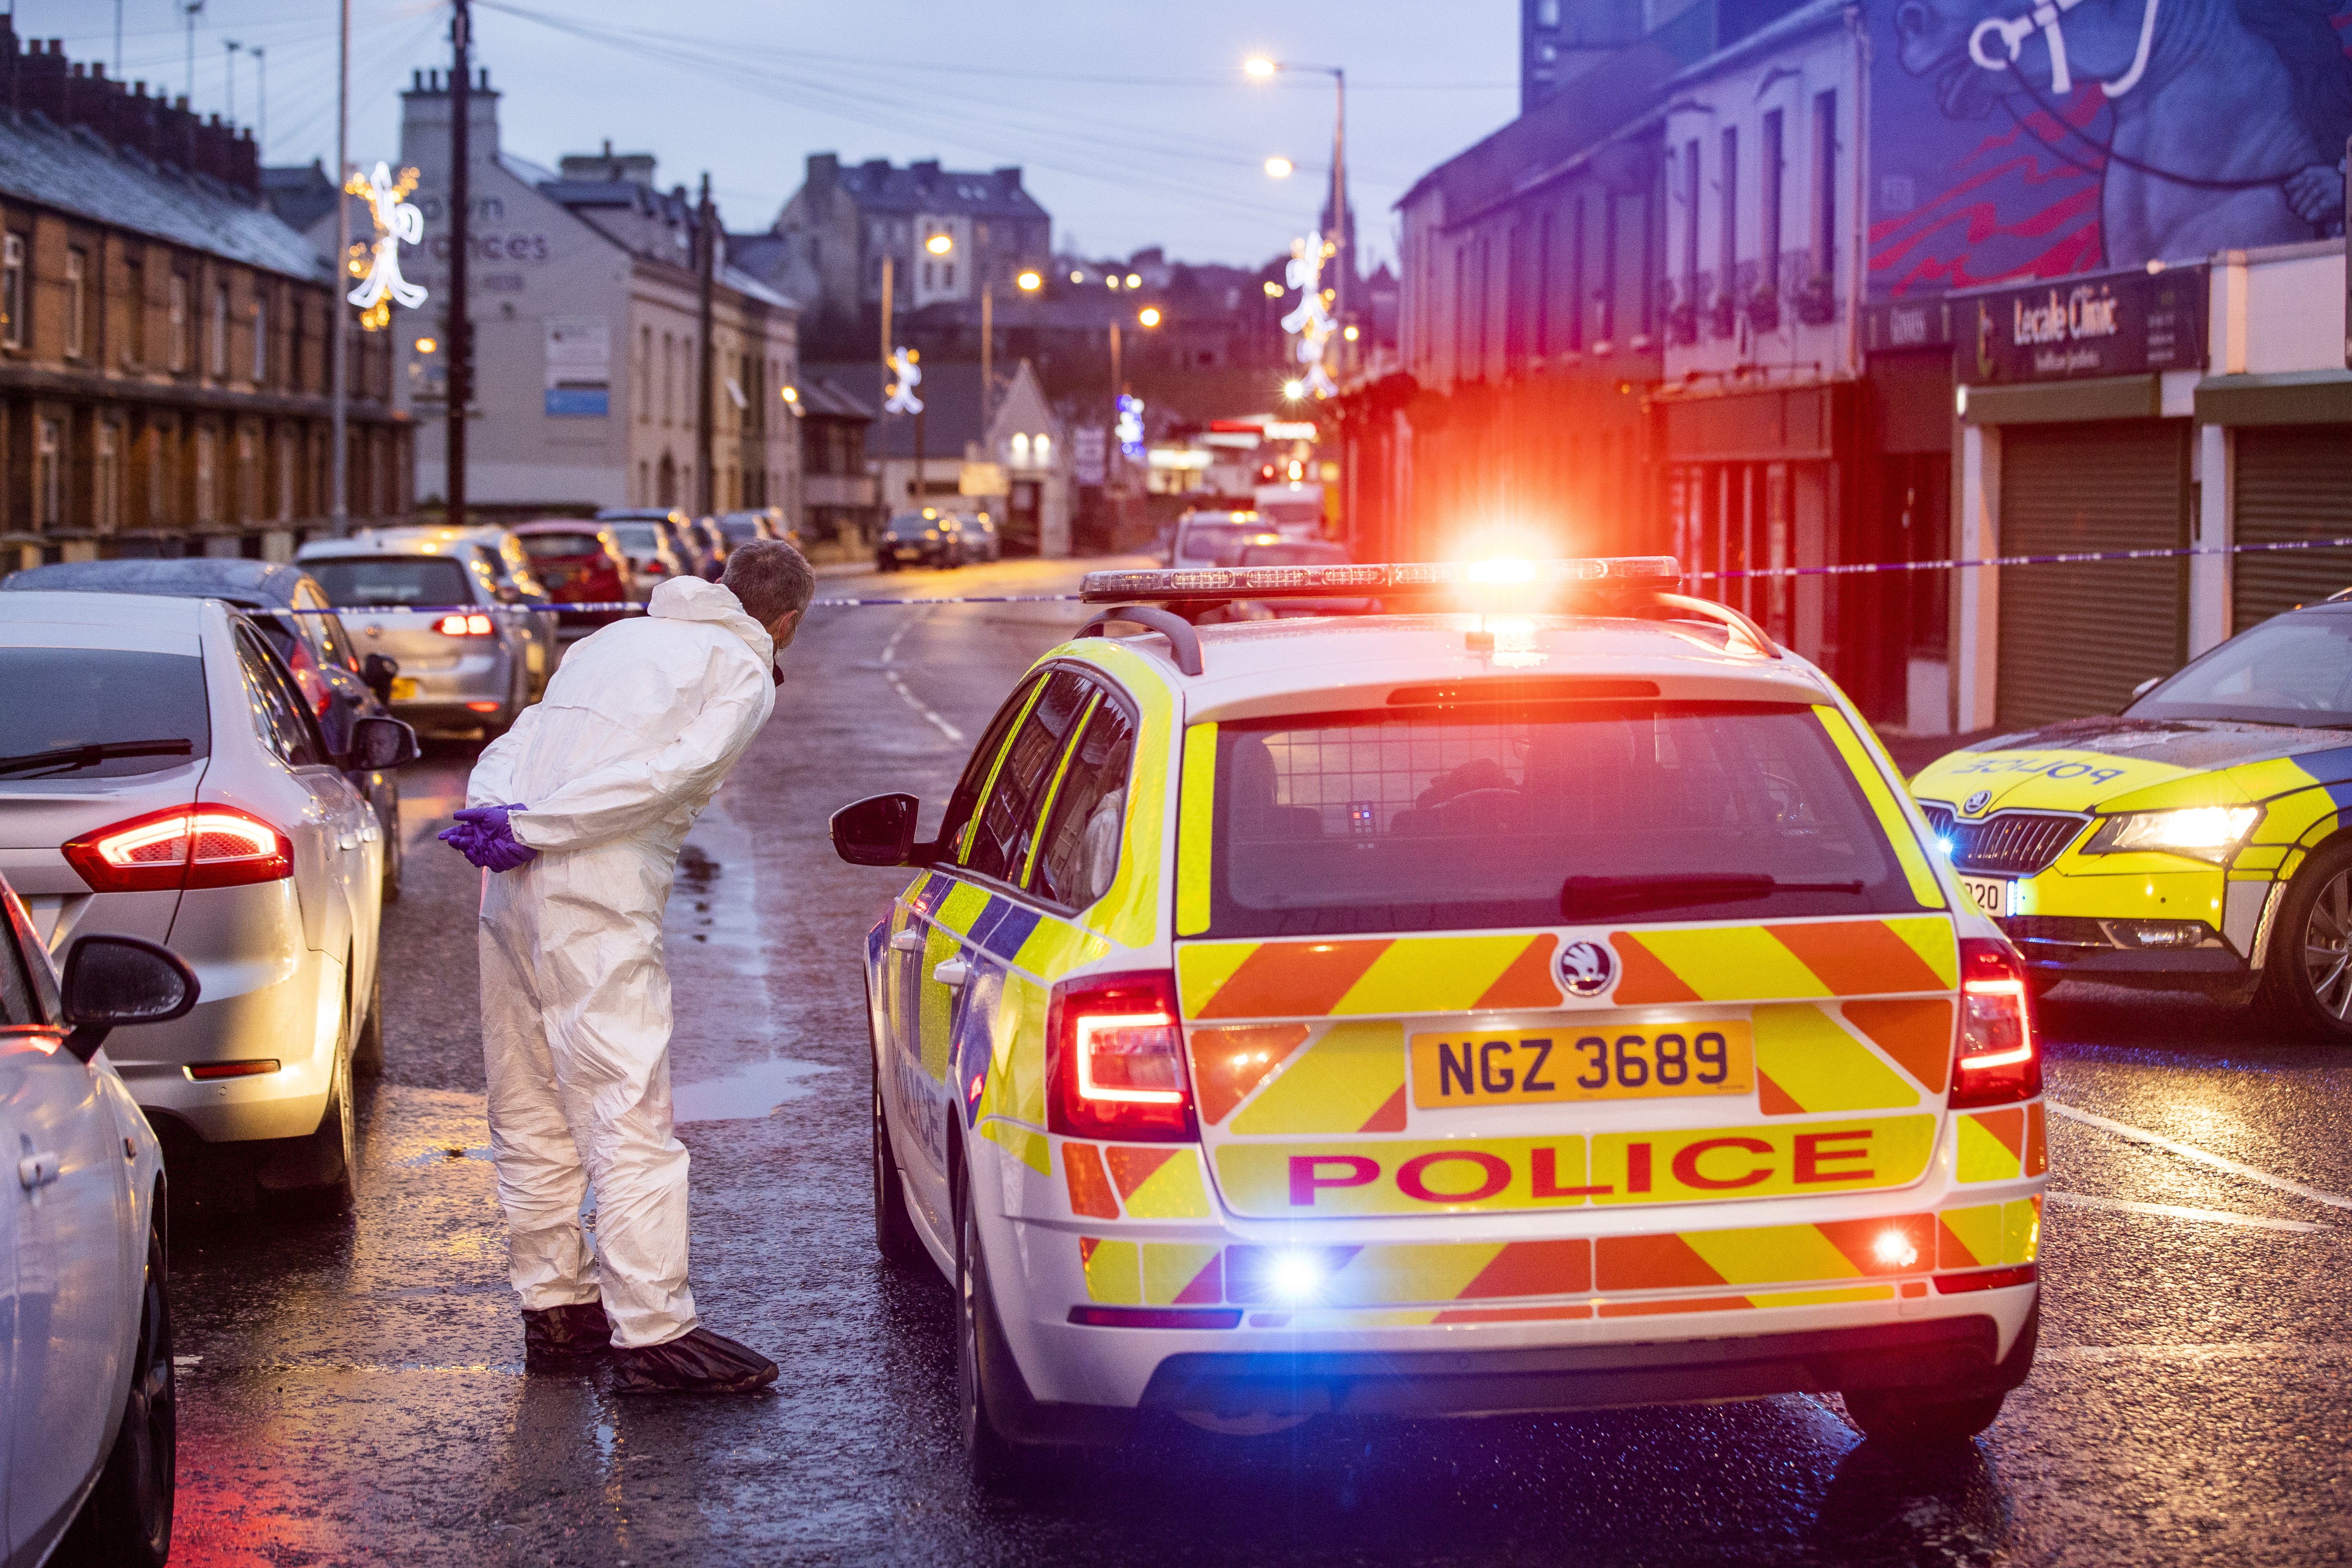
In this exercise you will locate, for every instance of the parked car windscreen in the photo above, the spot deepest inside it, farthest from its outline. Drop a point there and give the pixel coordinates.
(560, 546)
(1293, 555)
(741, 529)
(1207, 540)
(52, 700)
(911, 525)
(1479, 816)
(2291, 670)
(637, 538)
(392, 580)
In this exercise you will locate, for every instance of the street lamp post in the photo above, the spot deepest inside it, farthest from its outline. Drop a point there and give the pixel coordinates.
(1028, 281)
(1266, 70)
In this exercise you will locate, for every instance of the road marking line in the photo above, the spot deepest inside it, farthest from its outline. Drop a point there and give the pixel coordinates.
(2300, 1351)
(2204, 1156)
(889, 656)
(2177, 1211)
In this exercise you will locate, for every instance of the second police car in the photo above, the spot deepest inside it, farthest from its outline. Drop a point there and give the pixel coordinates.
(1445, 1014)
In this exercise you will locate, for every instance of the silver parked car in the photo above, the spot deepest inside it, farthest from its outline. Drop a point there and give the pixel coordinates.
(471, 657)
(86, 1373)
(654, 540)
(160, 777)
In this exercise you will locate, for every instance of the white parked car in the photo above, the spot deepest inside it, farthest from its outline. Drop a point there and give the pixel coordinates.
(162, 778)
(86, 1382)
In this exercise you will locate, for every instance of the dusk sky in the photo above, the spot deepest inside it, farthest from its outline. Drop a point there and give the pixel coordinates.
(1134, 122)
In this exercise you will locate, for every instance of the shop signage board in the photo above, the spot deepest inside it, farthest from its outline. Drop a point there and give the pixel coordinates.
(2113, 324)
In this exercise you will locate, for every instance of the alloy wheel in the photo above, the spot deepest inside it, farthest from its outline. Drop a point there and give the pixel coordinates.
(2327, 947)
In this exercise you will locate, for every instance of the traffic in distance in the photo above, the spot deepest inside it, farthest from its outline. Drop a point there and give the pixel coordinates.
(1331, 990)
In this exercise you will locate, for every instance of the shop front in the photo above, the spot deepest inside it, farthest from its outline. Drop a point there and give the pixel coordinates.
(2076, 401)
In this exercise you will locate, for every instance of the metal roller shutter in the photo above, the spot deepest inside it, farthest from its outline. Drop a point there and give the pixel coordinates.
(2075, 639)
(2294, 481)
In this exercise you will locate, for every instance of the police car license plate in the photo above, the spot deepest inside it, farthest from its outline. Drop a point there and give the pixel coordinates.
(1991, 894)
(1648, 1061)
(404, 688)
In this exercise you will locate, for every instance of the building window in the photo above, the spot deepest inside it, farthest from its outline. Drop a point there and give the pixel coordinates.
(645, 376)
(1824, 203)
(1486, 298)
(947, 276)
(1461, 310)
(220, 332)
(177, 320)
(260, 342)
(285, 476)
(1579, 239)
(106, 477)
(1043, 448)
(1690, 223)
(1543, 283)
(77, 301)
(207, 472)
(12, 292)
(49, 473)
(1728, 246)
(134, 297)
(669, 381)
(1767, 215)
(1609, 247)
(245, 476)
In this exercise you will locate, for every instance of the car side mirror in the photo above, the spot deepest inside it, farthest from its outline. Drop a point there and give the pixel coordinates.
(378, 743)
(379, 671)
(111, 981)
(880, 831)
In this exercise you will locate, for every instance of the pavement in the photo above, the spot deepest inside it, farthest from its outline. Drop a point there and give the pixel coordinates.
(353, 1391)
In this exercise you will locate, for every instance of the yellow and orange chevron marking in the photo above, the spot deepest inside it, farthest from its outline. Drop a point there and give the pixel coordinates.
(1771, 963)
(2001, 1145)
(1368, 975)
(1152, 1182)
(1983, 1236)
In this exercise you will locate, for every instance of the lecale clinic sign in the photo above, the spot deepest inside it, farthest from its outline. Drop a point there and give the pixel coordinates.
(2114, 323)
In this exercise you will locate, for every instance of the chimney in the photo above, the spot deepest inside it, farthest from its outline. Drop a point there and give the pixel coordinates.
(1009, 180)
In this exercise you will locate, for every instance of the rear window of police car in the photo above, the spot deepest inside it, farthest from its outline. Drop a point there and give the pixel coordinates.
(1477, 816)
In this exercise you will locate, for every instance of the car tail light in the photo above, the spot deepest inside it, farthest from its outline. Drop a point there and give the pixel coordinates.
(1998, 1059)
(1115, 1060)
(474, 625)
(203, 1072)
(185, 847)
(653, 568)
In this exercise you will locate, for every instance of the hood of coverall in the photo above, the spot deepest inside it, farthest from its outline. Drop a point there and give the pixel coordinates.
(695, 599)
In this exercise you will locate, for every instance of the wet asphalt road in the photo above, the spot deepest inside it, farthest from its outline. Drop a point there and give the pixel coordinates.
(353, 1391)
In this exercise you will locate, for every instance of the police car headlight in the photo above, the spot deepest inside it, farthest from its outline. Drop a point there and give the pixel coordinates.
(2201, 832)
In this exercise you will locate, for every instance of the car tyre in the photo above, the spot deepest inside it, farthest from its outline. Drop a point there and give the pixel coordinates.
(317, 1175)
(367, 1048)
(894, 1227)
(2306, 984)
(127, 1518)
(1917, 1418)
(988, 1383)
(393, 858)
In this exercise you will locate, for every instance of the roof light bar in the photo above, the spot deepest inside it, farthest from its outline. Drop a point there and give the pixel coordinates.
(1423, 577)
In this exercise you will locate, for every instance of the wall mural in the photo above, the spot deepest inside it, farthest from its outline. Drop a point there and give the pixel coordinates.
(2022, 139)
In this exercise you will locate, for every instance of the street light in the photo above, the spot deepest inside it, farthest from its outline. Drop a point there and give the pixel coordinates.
(1279, 168)
(1149, 316)
(1265, 70)
(1029, 283)
(940, 244)
(1294, 390)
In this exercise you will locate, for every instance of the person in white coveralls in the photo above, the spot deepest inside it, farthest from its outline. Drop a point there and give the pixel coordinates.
(578, 812)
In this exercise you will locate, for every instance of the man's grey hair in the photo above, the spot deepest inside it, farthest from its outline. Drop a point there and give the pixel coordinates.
(770, 578)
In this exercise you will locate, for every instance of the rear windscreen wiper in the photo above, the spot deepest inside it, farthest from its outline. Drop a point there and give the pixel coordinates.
(69, 759)
(1589, 898)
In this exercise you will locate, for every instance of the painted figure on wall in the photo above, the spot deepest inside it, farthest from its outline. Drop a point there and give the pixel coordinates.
(2019, 140)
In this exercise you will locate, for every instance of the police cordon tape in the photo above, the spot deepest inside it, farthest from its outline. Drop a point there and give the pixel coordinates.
(2067, 558)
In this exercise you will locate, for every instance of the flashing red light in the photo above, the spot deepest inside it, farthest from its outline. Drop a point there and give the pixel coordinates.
(473, 626)
(1115, 1059)
(1998, 1061)
(181, 847)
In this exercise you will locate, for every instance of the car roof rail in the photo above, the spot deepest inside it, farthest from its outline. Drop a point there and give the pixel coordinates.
(1182, 640)
(1742, 629)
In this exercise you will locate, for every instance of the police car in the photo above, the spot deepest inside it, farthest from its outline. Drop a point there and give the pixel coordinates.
(2198, 841)
(1449, 1011)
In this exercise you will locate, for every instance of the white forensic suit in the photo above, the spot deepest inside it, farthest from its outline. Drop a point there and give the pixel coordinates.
(637, 729)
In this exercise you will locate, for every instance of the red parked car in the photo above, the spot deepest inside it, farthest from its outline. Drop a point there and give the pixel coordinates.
(580, 564)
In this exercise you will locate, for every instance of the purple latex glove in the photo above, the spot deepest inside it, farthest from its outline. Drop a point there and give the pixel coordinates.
(490, 842)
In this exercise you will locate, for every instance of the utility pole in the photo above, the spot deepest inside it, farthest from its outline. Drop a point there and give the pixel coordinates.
(261, 91)
(987, 352)
(705, 442)
(191, 9)
(338, 309)
(1342, 261)
(1117, 390)
(117, 39)
(461, 330)
(889, 365)
(228, 70)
